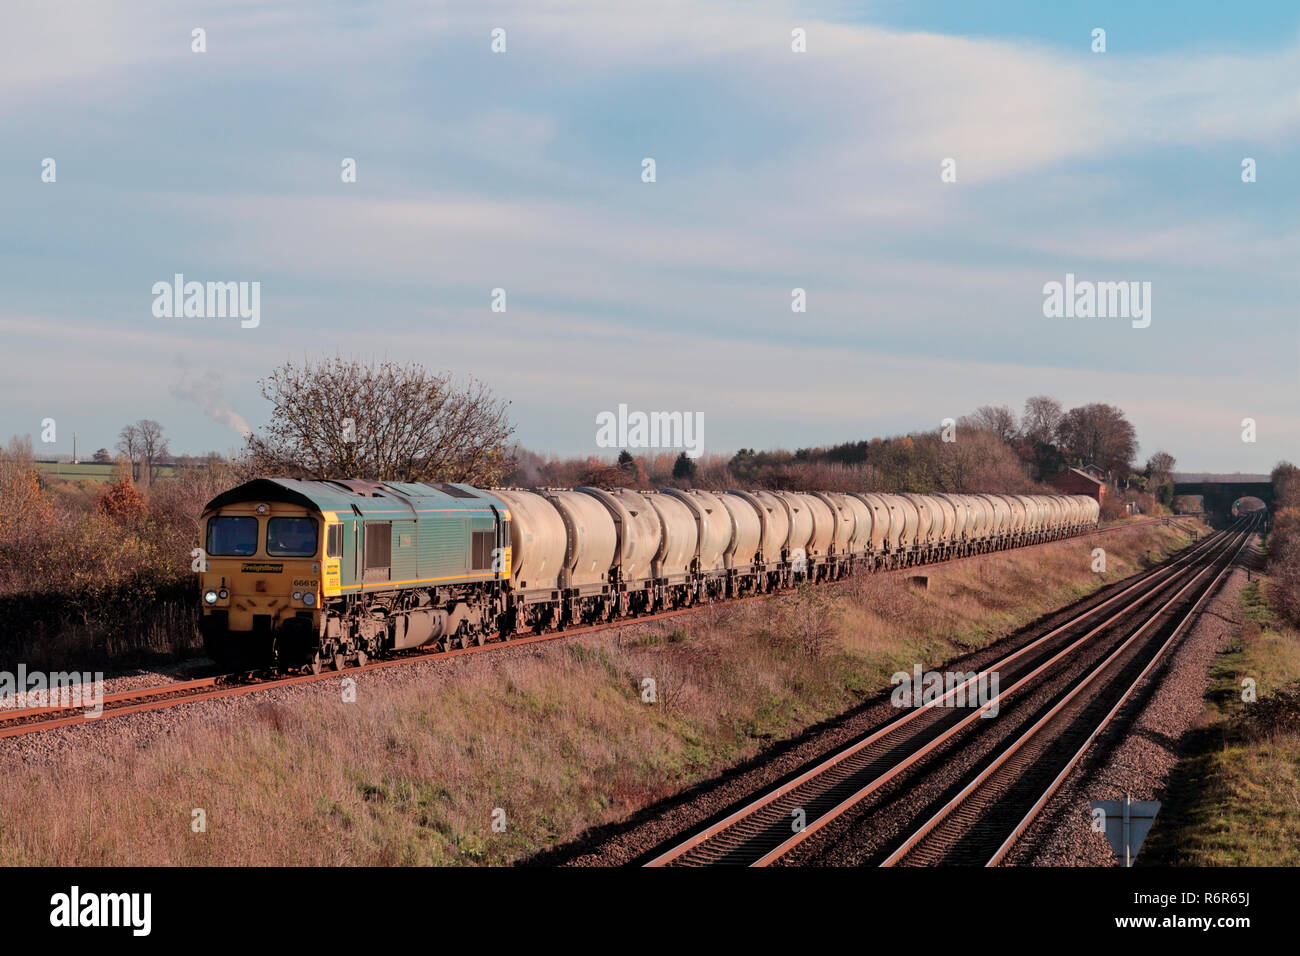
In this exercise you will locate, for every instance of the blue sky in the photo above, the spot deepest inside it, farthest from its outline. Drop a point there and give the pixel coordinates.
(775, 170)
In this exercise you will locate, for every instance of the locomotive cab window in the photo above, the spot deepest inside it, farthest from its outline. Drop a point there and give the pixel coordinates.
(232, 536)
(291, 537)
(334, 542)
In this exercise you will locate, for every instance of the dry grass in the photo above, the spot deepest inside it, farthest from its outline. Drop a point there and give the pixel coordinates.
(558, 737)
(1239, 799)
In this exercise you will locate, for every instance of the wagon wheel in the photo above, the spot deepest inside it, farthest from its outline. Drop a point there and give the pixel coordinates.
(362, 658)
(313, 665)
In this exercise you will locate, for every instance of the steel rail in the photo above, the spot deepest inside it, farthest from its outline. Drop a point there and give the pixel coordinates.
(918, 836)
(738, 818)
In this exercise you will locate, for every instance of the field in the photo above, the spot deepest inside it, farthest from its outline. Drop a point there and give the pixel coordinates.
(89, 470)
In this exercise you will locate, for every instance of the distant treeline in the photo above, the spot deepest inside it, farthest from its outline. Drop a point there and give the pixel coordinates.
(992, 450)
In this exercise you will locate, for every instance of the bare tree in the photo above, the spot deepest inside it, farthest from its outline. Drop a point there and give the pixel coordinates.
(153, 446)
(998, 419)
(390, 422)
(128, 443)
(1159, 467)
(977, 461)
(1042, 418)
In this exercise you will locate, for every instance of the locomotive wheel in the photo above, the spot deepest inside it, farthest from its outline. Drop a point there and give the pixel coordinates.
(362, 658)
(313, 663)
(339, 661)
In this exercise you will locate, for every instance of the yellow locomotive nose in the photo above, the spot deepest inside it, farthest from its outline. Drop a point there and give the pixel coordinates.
(259, 589)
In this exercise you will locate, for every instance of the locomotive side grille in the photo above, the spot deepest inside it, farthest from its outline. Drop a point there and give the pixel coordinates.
(378, 550)
(484, 543)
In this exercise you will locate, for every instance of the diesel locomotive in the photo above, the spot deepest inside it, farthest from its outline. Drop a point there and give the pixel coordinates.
(303, 574)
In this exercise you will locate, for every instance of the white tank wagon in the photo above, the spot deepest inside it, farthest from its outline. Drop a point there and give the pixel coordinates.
(1067, 513)
(1044, 518)
(821, 532)
(1076, 513)
(863, 527)
(775, 519)
(904, 519)
(1000, 531)
(1031, 517)
(938, 535)
(744, 568)
(591, 554)
(1019, 519)
(1091, 513)
(639, 532)
(946, 540)
(677, 545)
(1054, 516)
(537, 545)
(591, 543)
(714, 533)
(801, 528)
(922, 541)
(977, 528)
(884, 538)
(961, 521)
(844, 529)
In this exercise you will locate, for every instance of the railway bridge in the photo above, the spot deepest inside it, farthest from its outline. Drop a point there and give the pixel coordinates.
(1221, 494)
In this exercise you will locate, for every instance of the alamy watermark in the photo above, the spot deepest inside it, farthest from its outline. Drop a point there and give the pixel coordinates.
(624, 429)
(208, 300)
(74, 908)
(1085, 299)
(67, 689)
(951, 689)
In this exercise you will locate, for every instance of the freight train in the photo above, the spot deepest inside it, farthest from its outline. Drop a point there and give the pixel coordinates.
(303, 574)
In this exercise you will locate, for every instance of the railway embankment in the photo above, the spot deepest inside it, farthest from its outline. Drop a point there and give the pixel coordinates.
(496, 757)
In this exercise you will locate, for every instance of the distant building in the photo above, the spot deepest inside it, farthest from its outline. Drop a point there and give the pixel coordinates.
(1079, 481)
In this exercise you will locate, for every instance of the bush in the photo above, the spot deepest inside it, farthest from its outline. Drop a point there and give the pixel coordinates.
(1284, 544)
(1271, 716)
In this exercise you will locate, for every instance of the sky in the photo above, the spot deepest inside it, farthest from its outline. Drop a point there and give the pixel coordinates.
(775, 170)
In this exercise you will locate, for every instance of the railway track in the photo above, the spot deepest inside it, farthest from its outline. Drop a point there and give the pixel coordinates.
(772, 825)
(22, 721)
(981, 823)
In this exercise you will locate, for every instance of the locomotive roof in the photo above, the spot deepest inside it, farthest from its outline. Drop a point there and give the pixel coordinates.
(366, 497)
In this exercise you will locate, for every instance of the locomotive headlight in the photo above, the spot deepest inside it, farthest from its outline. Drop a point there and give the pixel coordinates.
(309, 599)
(210, 597)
